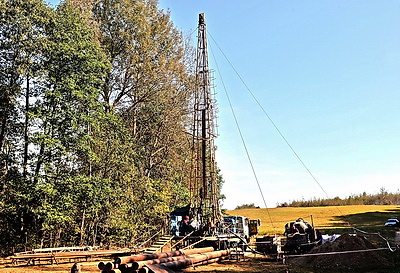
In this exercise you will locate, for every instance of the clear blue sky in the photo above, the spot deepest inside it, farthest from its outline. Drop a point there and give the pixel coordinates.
(327, 73)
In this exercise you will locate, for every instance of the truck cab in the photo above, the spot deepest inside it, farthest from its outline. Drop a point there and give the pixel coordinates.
(238, 225)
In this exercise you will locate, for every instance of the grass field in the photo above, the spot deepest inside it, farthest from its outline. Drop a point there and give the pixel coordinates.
(329, 220)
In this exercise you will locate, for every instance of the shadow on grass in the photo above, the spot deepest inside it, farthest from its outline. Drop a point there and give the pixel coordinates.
(368, 221)
(375, 220)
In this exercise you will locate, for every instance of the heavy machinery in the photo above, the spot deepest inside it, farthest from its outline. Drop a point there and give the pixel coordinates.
(204, 210)
(242, 226)
(203, 217)
(300, 236)
(267, 244)
(204, 187)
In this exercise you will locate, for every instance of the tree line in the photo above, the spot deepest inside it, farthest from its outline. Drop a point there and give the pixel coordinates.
(247, 206)
(95, 106)
(382, 198)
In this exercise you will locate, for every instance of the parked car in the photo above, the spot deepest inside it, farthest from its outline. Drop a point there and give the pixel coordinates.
(392, 222)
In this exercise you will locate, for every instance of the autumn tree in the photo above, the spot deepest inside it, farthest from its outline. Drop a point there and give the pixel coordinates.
(23, 40)
(149, 86)
(94, 112)
(65, 113)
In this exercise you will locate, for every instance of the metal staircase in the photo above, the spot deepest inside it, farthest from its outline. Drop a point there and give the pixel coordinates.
(158, 246)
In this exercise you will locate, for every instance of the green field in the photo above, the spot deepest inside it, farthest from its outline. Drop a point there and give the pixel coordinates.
(333, 219)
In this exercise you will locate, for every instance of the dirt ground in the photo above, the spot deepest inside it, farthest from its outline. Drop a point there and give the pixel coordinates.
(251, 264)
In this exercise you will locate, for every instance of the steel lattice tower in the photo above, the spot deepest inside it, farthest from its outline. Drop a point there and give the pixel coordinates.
(204, 184)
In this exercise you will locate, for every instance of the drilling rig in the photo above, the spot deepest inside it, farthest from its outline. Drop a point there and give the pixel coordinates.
(203, 181)
(204, 208)
(203, 184)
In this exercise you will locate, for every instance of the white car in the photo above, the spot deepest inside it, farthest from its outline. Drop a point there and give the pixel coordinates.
(392, 222)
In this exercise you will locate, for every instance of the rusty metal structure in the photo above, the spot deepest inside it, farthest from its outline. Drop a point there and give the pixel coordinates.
(203, 183)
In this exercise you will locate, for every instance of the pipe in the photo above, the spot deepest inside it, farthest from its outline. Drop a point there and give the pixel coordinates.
(196, 259)
(197, 250)
(162, 255)
(139, 264)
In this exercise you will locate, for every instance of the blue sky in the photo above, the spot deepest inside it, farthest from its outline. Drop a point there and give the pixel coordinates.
(327, 73)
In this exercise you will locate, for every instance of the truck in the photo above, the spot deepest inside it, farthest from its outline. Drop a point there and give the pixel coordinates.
(242, 226)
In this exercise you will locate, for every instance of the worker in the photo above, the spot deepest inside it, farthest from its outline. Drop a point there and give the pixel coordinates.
(301, 226)
(210, 227)
(319, 236)
(184, 226)
(164, 225)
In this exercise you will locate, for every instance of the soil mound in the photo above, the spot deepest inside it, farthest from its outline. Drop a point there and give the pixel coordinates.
(344, 261)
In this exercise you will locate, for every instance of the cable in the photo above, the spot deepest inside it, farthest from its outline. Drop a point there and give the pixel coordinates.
(335, 252)
(377, 234)
(270, 120)
(242, 138)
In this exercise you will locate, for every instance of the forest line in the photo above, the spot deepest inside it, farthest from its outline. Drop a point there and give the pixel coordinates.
(96, 101)
(383, 197)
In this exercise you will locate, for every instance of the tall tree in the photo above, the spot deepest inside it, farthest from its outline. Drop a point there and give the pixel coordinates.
(23, 38)
(148, 83)
(149, 86)
(94, 112)
(65, 112)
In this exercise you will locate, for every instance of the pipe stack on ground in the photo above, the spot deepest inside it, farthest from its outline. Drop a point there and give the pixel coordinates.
(142, 257)
(140, 264)
(172, 259)
(196, 259)
(161, 268)
(106, 268)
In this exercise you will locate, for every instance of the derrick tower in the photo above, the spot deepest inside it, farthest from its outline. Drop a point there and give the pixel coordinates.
(204, 185)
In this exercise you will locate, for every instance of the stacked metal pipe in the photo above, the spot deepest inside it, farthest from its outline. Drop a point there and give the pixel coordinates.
(173, 259)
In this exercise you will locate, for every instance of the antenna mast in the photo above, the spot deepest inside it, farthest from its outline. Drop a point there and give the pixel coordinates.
(204, 185)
